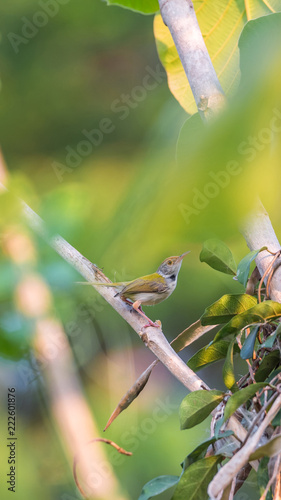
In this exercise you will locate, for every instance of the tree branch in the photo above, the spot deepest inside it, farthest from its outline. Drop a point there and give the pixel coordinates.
(180, 18)
(258, 232)
(153, 338)
(229, 471)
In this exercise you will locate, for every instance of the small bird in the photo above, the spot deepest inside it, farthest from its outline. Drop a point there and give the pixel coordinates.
(148, 290)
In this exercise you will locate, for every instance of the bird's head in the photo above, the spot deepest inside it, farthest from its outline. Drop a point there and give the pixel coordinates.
(171, 266)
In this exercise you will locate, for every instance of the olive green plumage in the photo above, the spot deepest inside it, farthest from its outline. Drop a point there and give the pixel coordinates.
(150, 289)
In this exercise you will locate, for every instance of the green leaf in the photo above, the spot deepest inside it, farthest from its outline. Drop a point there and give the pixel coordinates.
(263, 477)
(240, 397)
(197, 405)
(226, 307)
(208, 355)
(270, 340)
(157, 486)
(218, 256)
(195, 479)
(143, 6)
(189, 335)
(268, 363)
(249, 344)
(200, 451)
(228, 367)
(243, 267)
(221, 24)
(269, 449)
(260, 313)
(265, 35)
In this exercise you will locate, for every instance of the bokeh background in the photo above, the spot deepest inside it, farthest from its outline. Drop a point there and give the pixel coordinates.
(121, 205)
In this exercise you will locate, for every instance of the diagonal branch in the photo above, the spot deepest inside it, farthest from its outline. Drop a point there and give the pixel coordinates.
(153, 338)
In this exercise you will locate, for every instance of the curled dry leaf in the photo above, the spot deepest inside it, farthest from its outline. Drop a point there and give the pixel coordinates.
(253, 281)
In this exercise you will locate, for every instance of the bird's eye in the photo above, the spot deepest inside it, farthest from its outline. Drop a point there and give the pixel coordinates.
(170, 262)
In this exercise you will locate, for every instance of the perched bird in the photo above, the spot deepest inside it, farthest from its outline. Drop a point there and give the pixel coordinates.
(148, 290)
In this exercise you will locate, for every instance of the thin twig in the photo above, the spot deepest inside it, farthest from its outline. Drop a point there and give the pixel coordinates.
(76, 459)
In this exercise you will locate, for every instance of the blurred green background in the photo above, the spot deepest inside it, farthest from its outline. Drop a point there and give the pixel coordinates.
(120, 205)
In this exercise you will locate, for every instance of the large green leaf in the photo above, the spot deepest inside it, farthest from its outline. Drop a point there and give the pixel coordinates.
(218, 256)
(240, 397)
(261, 313)
(197, 405)
(228, 306)
(221, 24)
(143, 6)
(208, 355)
(194, 481)
(157, 486)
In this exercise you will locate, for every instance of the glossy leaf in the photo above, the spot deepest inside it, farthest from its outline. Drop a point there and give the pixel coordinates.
(208, 355)
(143, 6)
(218, 256)
(157, 486)
(197, 406)
(268, 364)
(249, 344)
(221, 24)
(243, 268)
(226, 307)
(228, 367)
(195, 479)
(269, 449)
(240, 397)
(261, 313)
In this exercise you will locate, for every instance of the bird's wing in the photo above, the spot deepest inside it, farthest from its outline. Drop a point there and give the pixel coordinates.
(146, 284)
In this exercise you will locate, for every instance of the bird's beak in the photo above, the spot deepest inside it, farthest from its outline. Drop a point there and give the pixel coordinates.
(183, 255)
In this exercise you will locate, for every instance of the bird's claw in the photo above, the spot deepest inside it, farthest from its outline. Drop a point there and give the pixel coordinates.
(156, 324)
